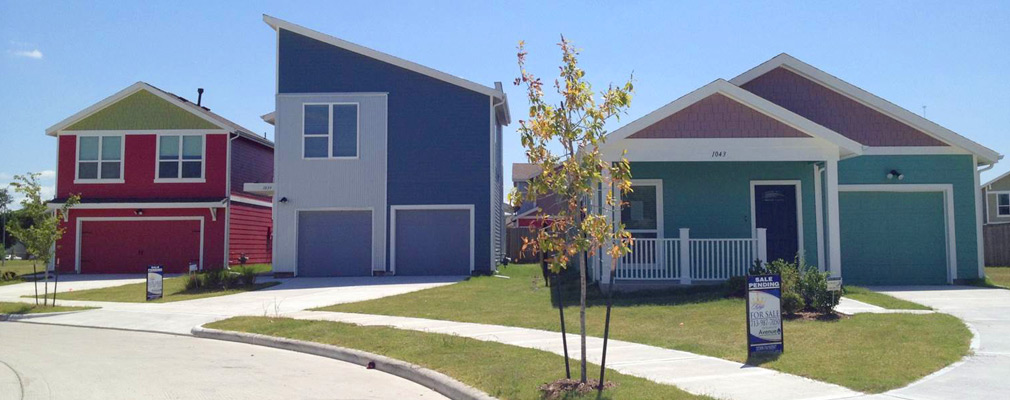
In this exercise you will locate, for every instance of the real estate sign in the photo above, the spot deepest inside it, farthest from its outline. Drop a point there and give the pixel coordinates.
(155, 280)
(764, 314)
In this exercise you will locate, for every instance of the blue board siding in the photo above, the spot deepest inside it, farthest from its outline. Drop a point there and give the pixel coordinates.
(713, 198)
(438, 133)
(924, 169)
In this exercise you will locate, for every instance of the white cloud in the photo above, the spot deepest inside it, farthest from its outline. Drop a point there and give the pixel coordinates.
(47, 174)
(33, 53)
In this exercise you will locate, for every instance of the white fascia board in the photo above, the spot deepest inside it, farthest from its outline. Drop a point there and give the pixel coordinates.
(993, 180)
(102, 206)
(270, 117)
(136, 87)
(755, 102)
(246, 200)
(987, 155)
(278, 24)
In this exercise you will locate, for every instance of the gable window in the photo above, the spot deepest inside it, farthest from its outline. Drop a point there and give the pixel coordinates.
(1003, 204)
(180, 157)
(330, 130)
(100, 158)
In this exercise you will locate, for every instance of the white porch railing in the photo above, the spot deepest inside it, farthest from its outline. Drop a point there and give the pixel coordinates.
(686, 259)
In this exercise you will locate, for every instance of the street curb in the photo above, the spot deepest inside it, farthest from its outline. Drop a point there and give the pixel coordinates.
(439, 382)
(23, 317)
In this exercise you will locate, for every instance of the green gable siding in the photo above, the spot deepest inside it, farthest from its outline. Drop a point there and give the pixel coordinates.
(713, 198)
(141, 111)
(1001, 185)
(957, 170)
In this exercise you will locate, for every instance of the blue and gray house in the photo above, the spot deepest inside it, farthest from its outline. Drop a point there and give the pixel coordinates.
(382, 166)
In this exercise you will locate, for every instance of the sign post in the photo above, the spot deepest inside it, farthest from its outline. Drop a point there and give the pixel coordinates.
(764, 314)
(155, 280)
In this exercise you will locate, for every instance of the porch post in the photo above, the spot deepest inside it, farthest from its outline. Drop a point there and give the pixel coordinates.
(762, 245)
(834, 241)
(685, 256)
(613, 214)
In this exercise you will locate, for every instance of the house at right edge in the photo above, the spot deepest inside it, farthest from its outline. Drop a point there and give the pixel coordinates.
(787, 161)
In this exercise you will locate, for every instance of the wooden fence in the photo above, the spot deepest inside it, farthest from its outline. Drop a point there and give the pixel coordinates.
(997, 244)
(514, 245)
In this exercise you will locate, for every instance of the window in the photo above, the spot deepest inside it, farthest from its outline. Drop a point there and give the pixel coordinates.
(640, 211)
(330, 131)
(100, 158)
(180, 157)
(1003, 204)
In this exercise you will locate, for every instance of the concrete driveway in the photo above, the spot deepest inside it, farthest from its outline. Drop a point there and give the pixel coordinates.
(56, 362)
(985, 374)
(291, 295)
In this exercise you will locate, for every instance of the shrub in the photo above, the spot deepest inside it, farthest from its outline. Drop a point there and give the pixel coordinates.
(212, 279)
(792, 302)
(193, 282)
(736, 286)
(247, 276)
(229, 279)
(813, 286)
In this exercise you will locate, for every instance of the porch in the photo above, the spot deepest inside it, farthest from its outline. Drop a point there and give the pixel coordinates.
(686, 260)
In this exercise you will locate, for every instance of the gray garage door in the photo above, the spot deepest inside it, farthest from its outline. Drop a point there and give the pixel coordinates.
(432, 242)
(334, 243)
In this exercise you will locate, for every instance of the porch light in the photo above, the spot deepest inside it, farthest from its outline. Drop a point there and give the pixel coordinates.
(283, 200)
(139, 211)
(895, 174)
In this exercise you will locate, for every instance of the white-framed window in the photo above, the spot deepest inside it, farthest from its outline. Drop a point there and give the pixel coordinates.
(1003, 204)
(99, 159)
(641, 210)
(330, 130)
(181, 158)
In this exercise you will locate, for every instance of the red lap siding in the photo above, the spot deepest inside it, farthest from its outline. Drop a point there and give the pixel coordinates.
(250, 233)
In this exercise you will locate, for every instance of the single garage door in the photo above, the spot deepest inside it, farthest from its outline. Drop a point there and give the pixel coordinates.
(432, 242)
(893, 238)
(120, 247)
(335, 243)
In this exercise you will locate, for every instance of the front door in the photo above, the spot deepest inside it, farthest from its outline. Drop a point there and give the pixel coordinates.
(775, 210)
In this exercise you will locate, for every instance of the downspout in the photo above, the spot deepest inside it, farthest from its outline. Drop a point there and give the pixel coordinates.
(227, 203)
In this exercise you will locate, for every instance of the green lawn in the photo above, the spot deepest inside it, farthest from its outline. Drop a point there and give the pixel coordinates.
(175, 290)
(259, 268)
(867, 352)
(503, 371)
(20, 267)
(27, 308)
(998, 275)
(881, 300)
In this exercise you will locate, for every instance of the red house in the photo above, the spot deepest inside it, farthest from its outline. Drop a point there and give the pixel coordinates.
(161, 183)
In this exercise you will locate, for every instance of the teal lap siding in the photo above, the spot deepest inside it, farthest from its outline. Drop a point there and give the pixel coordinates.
(891, 238)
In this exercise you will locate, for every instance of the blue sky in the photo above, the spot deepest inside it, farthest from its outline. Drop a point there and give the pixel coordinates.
(57, 58)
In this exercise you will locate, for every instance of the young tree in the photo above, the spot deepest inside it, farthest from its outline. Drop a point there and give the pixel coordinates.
(577, 125)
(41, 235)
(5, 200)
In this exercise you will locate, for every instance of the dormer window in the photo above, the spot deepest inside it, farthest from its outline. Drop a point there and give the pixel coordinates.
(330, 131)
(180, 158)
(100, 159)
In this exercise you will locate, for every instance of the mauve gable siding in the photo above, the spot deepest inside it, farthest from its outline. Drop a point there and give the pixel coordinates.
(835, 111)
(439, 149)
(717, 116)
(250, 163)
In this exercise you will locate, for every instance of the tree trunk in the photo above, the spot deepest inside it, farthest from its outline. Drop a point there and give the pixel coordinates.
(36, 282)
(45, 285)
(582, 315)
(56, 283)
(606, 326)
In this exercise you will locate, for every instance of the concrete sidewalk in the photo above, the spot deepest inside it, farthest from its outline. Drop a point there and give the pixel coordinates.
(849, 306)
(291, 295)
(691, 372)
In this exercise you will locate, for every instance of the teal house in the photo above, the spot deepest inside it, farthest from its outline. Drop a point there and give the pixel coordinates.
(786, 161)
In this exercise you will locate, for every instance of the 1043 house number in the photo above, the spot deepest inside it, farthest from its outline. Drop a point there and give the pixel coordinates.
(718, 154)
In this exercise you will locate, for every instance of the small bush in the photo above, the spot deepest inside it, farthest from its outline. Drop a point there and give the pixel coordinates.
(193, 282)
(792, 303)
(212, 279)
(247, 276)
(229, 279)
(736, 286)
(813, 286)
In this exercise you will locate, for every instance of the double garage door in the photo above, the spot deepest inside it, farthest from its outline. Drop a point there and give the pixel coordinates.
(893, 238)
(422, 242)
(121, 247)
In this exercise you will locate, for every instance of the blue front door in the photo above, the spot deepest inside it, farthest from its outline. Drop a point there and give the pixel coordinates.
(775, 210)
